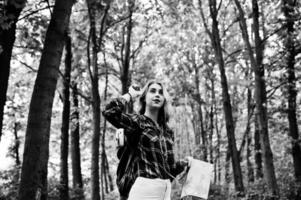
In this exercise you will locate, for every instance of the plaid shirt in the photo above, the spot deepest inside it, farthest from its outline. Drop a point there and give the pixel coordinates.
(154, 156)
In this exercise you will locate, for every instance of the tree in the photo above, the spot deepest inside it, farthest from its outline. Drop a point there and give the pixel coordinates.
(200, 103)
(33, 183)
(216, 44)
(77, 180)
(260, 94)
(96, 44)
(105, 173)
(126, 50)
(289, 7)
(10, 13)
(65, 97)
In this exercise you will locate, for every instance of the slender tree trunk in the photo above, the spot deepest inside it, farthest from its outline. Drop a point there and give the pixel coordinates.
(65, 96)
(188, 145)
(95, 189)
(246, 137)
(103, 146)
(257, 149)
(17, 143)
(211, 120)
(110, 179)
(125, 76)
(249, 137)
(218, 152)
(226, 100)
(7, 40)
(260, 95)
(289, 10)
(75, 146)
(195, 126)
(33, 185)
(261, 100)
(227, 170)
(96, 47)
(200, 112)
(96, 133)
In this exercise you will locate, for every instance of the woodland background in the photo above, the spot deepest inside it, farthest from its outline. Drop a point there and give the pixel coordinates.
(232, 69)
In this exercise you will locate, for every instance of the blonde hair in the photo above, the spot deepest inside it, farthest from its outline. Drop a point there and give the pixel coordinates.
(163, 115)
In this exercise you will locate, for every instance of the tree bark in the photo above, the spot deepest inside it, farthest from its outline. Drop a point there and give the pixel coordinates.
(218, 148)
(125, 75)
(249, 135)
(289, 10)
(75, 146)
(65, 96)
(257, 149)
(33, 183)
(211, 120)
(216, 43)
(195, 125)
(200, 112)
(17, 143)
(7, 40)
(95, 189)
(105, 173)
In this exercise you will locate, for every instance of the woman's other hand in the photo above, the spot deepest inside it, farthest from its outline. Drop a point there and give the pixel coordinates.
(188, 160)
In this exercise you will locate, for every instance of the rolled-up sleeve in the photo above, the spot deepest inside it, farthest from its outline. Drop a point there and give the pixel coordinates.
(114, 113)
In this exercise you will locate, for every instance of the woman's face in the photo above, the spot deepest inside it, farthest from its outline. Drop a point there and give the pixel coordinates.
(154, 97)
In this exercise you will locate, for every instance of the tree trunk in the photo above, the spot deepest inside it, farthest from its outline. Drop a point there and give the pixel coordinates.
(289, 10)
(249, 136)
(227, 170)
(7, 40)
(261, 104)
(93, 8)
(218, 151)
(105, 174)
(110, 179)
(200, 112)
(257, 149)
(65, 96)
(260, 95)
(75, 146)
(194, 120)
(17, 143)
(216, 43)
(33, 185)
(211, 120)
(125, 75)
(95, 189)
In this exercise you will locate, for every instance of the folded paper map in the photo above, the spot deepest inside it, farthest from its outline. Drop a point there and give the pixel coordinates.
(198, 179)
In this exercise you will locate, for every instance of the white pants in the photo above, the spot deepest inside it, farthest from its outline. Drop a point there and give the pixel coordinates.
(150, 189)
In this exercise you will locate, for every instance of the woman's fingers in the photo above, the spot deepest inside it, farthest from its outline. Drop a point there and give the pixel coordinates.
(134, 90)
(188, 159)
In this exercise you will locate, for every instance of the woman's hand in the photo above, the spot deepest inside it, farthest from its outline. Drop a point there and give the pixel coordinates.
(132, 94)
(134, 91)
(186, 162)
(188, 159)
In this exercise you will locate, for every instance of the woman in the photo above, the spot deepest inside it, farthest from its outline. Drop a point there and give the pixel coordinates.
(149, 174)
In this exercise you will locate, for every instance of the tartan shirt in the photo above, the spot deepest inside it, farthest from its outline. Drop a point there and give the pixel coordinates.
(154, 156)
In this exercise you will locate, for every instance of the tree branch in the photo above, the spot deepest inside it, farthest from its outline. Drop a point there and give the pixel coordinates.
(34, 12)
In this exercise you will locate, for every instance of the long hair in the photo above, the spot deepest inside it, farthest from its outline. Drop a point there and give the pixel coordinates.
(163, 115)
